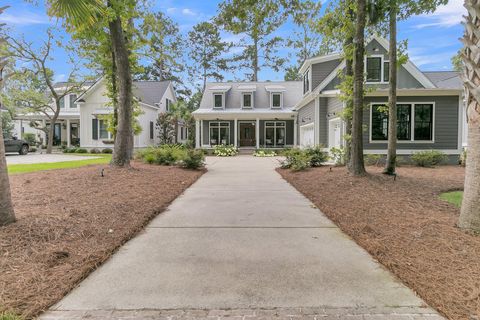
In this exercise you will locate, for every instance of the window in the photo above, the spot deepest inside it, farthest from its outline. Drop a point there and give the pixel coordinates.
(102, 128)
(374, 69)
(73, 97)
(62, 103)
(219, 133)
(275, 133)
(379, 122)
(276, 100)
(247, 101)
(151, 130)
(423, 122)
(95, 129)
(306, 82)
(386, 71)
(404, 127)
(181, 133)
(218, 100)
(167, 104)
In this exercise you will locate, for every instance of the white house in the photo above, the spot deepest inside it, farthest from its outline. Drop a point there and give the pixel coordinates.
(80, 121)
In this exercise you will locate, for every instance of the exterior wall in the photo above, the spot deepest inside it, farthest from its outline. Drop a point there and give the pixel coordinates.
(445, 124)
(306, 114)
(321, 70)
(322, 122)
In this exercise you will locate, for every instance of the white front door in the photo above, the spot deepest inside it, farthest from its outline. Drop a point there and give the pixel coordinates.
(335, 133)
(307, 135)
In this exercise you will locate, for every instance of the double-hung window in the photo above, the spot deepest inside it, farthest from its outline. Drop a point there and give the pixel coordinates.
(276, 100)
(247, 100)
(218, 102)
(219, 133)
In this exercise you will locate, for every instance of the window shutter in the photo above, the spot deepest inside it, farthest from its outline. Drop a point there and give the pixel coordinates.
(151, 129)
(95, 129)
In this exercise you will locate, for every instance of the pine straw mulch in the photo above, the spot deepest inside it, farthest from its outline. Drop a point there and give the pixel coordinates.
(72, 220)
(406, 227)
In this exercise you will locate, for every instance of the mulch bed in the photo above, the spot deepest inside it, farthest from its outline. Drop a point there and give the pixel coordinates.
(70, 221)
(405, 227)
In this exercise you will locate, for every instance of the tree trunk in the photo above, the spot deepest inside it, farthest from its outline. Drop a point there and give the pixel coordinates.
(470, 212)
(7, 215)
(392, 93)
(348, 120)
(357, 166)
(123, 141)
(50, 137)
(255, 60)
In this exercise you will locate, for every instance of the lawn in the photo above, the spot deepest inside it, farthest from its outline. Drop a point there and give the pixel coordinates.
(454, 197)
(404, 225)
(24, 168)
(70, 223)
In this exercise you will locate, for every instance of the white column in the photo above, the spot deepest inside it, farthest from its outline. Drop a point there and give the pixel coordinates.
(235, 133)
(197, 134)
(68, 133)
(316, 122)
(201, 133)
(44, 134)
(257, 133)
(295, 128)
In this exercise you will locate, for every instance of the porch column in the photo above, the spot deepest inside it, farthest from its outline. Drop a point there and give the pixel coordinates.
(201, 133)
(197, 134)
(235, 132)
(295, 128)
(68, 134)
(43, 133)
(257, 132)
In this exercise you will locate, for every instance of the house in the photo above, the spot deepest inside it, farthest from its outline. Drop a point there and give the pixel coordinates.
(248, 114)
(431, 112)
(80, 122)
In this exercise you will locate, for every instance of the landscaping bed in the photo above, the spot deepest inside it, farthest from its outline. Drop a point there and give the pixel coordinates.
(406, 226)
(72, 220)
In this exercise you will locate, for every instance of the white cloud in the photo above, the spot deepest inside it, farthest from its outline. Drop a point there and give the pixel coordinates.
(188, 12)
(171, 10)
(60, 78)
(446, 16)
(23, 19)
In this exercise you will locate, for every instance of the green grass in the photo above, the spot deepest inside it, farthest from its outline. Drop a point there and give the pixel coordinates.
(9, 316)
(24, 168)
(454, 197)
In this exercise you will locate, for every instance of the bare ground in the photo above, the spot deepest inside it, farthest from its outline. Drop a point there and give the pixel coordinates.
(70, 221)
(406, 227)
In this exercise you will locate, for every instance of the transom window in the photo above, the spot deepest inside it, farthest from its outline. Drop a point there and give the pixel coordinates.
(218, 100)
(219, 133)
(411, 117)
(247, 100)
(275, 133)
(377, 69)
(276, 100)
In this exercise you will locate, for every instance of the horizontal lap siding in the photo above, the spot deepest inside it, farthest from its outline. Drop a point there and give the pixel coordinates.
(446, 123)
(321, 70)
(322, 121)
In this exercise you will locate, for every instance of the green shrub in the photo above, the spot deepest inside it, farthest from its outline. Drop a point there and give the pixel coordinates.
(32, 149)
(81, 150)
(296, 159)
(373, 159)
(30, 138)
(194, 159)
(94, 151)
(317, 156)
(428, 158)
(338, 156)
(107, 151)
(69, 150)
(264, 153)
(225, 150)
(163, 155)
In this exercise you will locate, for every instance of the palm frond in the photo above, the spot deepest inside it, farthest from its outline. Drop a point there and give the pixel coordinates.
(77, 13)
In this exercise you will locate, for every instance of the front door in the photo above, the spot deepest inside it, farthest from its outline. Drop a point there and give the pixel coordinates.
(247, 134)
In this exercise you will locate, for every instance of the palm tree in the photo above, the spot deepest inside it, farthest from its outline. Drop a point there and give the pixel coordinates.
(470, 212)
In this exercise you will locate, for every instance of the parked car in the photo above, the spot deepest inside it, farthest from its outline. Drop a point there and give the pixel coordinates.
(13, 144)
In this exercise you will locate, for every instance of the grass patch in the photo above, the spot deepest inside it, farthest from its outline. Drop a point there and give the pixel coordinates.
(24, 168)
(9, 316)
(454, 197)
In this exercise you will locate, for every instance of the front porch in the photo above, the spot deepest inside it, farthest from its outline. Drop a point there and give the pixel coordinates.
(66, 131)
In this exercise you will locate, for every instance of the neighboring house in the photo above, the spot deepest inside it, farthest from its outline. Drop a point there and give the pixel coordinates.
(80, 121)
(248, 114)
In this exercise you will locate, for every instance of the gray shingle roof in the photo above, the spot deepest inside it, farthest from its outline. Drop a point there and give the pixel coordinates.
(445, 79)
(150, 92)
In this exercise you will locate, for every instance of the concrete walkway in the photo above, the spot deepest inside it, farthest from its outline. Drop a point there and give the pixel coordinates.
(241, 243)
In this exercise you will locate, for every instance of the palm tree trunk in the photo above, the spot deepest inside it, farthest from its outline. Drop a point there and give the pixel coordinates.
(392, 93)
(470, 212)
(7, 215)
(123, 140)
(357, 166)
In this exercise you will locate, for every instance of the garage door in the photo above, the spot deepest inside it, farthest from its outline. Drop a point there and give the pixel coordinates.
(307, 135)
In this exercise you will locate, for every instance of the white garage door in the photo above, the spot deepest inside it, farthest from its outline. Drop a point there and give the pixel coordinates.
(307, 135)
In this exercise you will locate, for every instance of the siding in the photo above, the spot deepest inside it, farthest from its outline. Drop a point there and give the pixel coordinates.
(322, 121)
(321, 70)
(306, 114)
(446, 124)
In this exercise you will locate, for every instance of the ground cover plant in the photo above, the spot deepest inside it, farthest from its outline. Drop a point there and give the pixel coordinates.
(406, 226)
(454, 197)
(71, 221)
(225, 150)
(264, 153)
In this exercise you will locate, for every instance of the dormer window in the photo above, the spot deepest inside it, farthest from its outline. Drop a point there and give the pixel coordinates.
(247, 100)
(306, 82)
(218, 101)
(276, 100)
(377, 69)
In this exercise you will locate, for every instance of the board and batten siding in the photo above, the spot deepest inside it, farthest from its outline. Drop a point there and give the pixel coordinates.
(321, 70)
(445, 124)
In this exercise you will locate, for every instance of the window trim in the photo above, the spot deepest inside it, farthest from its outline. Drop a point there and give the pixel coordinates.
(251, 100)
(271, 100)
(412, 122)
(219, 122)
(382, 66)
(223, 100)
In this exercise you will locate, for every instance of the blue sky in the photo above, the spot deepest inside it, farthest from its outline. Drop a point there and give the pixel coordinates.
(432, 39)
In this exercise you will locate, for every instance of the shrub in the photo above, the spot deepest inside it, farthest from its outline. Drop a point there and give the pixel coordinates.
(30, 138)
(264, 153)
(338, 156)
(32, 149)
(163, 155)
(373, 159)
(194, 159)
(81, 150)
(428, 158)
(225, 150)
(463, 157)
(107, 150)
(317, 156)
(69, 150)
(94, 151)
(296, 159)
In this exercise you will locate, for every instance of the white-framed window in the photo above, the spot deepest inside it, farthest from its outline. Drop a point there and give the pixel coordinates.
(73, 97)
(100, 129)
(276, 100)
(219, 101)
(219, 132)
(62, 102)
(275, 134)
(415, 122)
(306, 81)
(377, 69)
(168, 102)
(247, 100)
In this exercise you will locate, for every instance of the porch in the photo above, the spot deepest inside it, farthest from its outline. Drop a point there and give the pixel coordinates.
(66, 131)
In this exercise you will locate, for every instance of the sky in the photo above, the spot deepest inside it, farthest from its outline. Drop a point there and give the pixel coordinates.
(432, 39)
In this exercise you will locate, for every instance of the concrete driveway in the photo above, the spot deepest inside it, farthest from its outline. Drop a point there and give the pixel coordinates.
(241, 243)
(30, 158)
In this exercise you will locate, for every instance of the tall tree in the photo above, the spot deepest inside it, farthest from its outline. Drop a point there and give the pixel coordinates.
(257, 20)
(7, 214)
(32, 88)
(357, 166)
(207, 50)
(470, 212)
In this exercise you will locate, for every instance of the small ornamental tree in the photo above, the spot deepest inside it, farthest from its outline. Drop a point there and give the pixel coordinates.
(166, 127)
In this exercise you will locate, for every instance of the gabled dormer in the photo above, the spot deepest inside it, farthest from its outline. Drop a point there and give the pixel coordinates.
(247, 100)
(219, 96)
